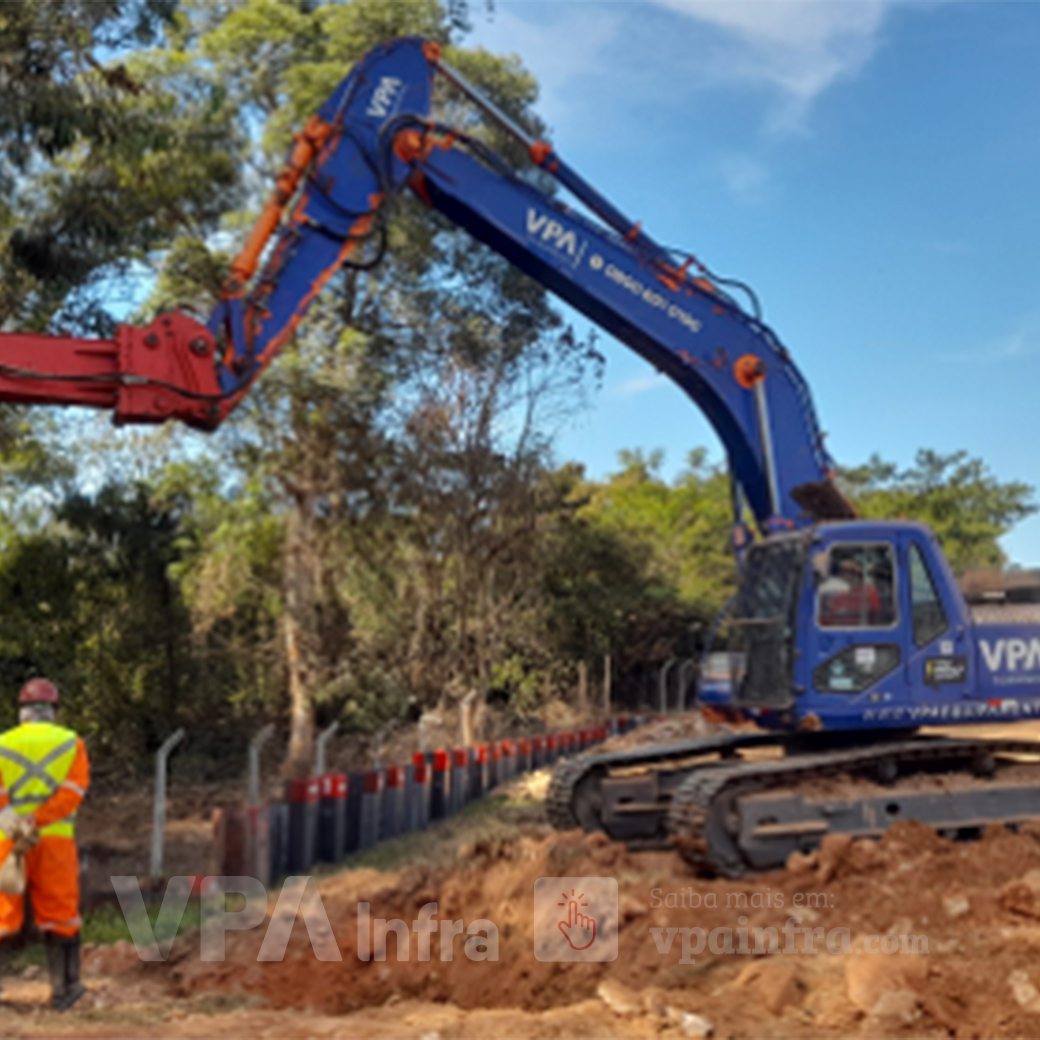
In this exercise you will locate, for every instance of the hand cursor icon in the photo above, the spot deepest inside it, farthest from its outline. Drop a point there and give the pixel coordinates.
(579, 929)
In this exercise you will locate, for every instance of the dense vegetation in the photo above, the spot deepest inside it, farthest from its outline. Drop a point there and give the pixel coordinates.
(382, 526)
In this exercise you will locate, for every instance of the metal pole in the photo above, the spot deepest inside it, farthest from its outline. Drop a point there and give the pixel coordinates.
(319, 754)
(377, 746)
(466, 718)
(485, 103)
(684, 679)
(159, 806)
(766, 433)
(662, 683)
(607, 677)
(255, 747)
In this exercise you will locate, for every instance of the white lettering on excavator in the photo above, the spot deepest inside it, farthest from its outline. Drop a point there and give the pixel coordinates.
(1011, 654)
(549, 232)
(652, 297)
(383, 97)
(997, 708)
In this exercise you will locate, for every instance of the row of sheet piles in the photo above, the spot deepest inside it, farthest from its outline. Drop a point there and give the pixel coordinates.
(325, 819)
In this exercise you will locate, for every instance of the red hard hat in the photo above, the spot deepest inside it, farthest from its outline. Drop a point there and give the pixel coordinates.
(38, 691)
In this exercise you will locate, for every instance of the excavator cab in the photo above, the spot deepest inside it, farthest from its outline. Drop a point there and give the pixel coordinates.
(851, 626)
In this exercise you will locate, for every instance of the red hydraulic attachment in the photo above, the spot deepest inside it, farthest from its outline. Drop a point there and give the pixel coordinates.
(144, 375)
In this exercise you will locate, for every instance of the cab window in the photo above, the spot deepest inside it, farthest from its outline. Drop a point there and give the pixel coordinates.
(929, 618)
(857, 588)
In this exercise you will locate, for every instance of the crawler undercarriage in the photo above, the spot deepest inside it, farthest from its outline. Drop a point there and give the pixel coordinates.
(741, 802)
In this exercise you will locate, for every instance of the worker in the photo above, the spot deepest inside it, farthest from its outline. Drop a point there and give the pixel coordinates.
(847, 601)
(44, 774)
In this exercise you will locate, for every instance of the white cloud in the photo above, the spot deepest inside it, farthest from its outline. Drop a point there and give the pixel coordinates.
(799, 48)
(599, 64)
(639, 385)
(794, 50)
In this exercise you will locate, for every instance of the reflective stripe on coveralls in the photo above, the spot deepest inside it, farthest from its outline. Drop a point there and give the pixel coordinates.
(35, 759)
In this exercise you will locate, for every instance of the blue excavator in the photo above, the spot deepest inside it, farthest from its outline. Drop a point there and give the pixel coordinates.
(854, 633)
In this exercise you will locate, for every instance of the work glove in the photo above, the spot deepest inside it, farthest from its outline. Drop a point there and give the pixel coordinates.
(22, 830)
(9, 822)
(26, 834)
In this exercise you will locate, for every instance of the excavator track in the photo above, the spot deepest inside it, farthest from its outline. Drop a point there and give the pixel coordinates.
(735, 818)
(582, 793)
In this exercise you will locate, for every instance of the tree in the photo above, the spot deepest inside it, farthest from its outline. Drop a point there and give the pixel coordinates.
(89, 601)
(636, 566)
(956, 495)
(686, 525)
(107, 156)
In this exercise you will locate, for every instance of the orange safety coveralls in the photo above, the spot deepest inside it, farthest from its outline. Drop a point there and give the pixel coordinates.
(52, 865)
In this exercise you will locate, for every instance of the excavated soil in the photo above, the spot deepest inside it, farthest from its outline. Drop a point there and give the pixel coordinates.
(976, 904)
(971, 909)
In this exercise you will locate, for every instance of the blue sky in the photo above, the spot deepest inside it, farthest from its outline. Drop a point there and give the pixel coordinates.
(871, 168)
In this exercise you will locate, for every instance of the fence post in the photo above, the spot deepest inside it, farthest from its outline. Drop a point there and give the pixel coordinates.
(255, 747)
(466, 710)
(159, 806)
(378, 743)
(426, 719)
(319, 754)
(662, 683)
(689, 665)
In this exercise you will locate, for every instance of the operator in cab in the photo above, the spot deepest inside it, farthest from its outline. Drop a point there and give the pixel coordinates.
(848, 600)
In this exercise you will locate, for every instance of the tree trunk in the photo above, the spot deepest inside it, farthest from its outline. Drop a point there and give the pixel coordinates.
(297, 602)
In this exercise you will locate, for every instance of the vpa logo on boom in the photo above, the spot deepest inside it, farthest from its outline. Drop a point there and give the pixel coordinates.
(552, 236)
(383, 97)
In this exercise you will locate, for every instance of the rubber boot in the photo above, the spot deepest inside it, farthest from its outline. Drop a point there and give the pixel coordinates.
(72, 989)
(56, 970)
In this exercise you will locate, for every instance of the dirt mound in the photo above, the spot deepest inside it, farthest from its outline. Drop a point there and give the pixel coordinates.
(956, 929)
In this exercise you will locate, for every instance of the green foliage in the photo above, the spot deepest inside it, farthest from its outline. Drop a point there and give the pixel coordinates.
(687, 525)
(384, 433)
(105, 924)
(89, 603)
(522, 686)
(114, 158)
(49, 107)
(956, 495)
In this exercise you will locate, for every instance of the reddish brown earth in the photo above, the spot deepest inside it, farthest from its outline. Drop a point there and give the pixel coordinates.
(977, 904)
